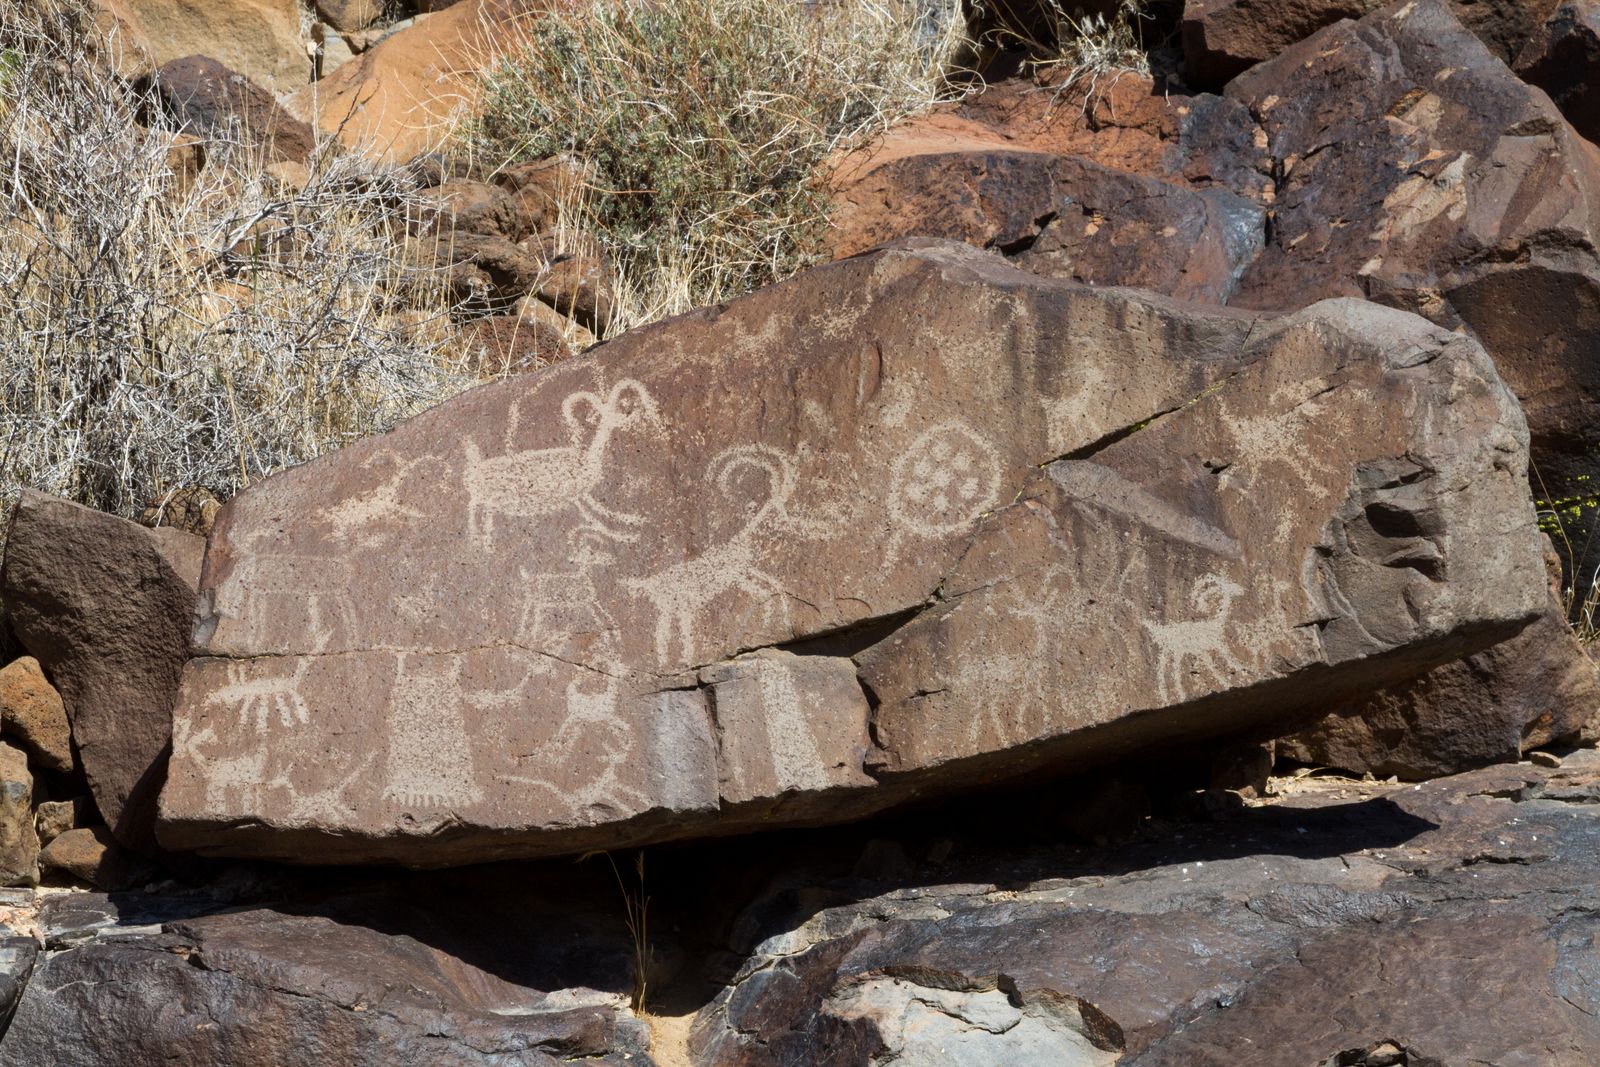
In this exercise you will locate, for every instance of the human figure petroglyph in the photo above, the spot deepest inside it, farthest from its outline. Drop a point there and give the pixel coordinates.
(429, 764)
(530, 483)
(681, 592)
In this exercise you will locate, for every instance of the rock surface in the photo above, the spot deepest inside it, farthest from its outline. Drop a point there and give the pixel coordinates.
(1418, 171)
(1538, 688)
(1224, 38)
(90, 854)
(1563, 59)
(106, 606)
(400, 98)
(496, 631)
(1060, 216)
(32, 713)
(458, 975)
(207, 100)
(19, 840)
(1451, 919)
(261, 39)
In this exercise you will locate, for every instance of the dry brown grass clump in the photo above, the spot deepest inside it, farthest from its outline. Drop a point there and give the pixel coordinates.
(163, 328)
(706, 123)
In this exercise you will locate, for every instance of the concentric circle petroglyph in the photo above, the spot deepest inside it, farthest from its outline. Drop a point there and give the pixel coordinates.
(947, 478)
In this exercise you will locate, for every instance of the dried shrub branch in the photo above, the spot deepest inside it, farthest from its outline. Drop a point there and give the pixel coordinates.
(162, 327)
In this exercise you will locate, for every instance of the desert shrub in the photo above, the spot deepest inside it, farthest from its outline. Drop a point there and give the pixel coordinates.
(706, 122)
(1057, 40)
(165, 326)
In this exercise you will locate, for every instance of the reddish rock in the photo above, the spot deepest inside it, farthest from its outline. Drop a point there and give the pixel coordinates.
(203, 98)
(531, 336)
(90, 854)
(1061, 217)
(106, 606)
(401, 98)
(576, 281)
(19, 840)
(1418, 171)
(1563, 59)
(1224, 38)
(32, 714)
(1540, 687)
(845, 465)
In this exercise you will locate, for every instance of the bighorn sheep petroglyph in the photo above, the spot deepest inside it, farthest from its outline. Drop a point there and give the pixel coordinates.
(681, 592)
(530, 483)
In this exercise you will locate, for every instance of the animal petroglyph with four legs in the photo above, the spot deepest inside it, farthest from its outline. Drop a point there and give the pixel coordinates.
(680, 593)
(530, 483)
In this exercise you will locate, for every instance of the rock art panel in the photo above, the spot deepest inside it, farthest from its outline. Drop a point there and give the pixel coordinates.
(674, 588)
(1156, 554)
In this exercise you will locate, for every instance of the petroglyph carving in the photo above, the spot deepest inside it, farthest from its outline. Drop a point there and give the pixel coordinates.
(531, 483)
(946, 479)
(260, 701)
(1197, 649)
(594, 734)
(681, 592)
(233, 783)
(430, 755)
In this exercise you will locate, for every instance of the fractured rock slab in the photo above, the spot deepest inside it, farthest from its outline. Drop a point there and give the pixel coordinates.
(520, 623)
(106, 606)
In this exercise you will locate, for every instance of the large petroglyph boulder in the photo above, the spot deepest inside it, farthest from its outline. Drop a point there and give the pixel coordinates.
(911, 522)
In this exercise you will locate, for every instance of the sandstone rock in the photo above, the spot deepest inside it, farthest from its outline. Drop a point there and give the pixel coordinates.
(261, 39)
(1224, 38)
(1434, 180)
(349, 15)
(19, 842)
(106, 606)
(1563, 59)
(1536, 688)
(457, 979)
(1435, 918)
(873, 452)
(90, 854)
(55, 817)
(400, 98)
(204, 98)
(1061, 217)
(32, 713)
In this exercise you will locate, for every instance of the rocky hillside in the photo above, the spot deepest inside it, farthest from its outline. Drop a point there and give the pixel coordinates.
(1101, 575)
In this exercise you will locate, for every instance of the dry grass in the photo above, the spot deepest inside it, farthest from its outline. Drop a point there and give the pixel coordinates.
(1067, 47)
(706, 122)
(162, 329)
